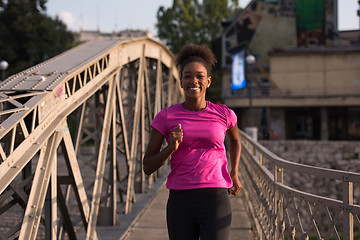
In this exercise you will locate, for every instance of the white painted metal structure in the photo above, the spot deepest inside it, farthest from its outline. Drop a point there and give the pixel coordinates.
(73, 132)
(282, 211)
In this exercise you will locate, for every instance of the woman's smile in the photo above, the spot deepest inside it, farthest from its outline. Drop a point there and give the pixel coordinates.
(195, 88)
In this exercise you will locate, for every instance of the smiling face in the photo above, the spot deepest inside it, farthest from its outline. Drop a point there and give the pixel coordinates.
(195, 80)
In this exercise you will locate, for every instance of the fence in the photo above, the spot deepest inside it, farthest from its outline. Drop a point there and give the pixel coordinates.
(283, 211)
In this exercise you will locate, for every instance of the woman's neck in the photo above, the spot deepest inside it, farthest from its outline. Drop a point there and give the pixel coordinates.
(194, 105)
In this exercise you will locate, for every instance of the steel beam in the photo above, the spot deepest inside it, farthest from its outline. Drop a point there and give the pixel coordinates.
(42, 177)
(100, 169)
(135, 136)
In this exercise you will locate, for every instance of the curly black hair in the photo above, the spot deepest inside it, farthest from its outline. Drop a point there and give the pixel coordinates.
(195, 53)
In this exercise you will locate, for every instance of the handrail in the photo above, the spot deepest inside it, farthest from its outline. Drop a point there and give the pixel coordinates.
(281, 211)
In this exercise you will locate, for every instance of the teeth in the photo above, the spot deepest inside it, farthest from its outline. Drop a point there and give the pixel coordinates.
(194, 88)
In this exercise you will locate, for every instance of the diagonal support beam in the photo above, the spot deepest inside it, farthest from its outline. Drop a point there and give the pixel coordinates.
(100, 169)
(75, 174)
(39, 188)
(135, 134)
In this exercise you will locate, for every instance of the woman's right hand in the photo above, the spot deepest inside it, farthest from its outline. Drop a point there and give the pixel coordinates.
(176, 136)
(154, 158)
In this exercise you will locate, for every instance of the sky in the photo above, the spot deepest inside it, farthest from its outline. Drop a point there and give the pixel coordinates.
(116, 15)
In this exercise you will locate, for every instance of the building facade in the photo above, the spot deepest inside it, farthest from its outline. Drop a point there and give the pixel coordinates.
(305, 83)
(84, 35)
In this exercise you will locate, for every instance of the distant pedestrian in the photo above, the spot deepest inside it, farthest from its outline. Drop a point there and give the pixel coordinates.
(273, 135)
(195, 130)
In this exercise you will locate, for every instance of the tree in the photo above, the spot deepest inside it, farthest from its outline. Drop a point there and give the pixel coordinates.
(195, 21)
(192, 21)
(28, 36)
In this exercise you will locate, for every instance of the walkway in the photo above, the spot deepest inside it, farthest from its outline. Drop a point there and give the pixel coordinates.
(151, 224)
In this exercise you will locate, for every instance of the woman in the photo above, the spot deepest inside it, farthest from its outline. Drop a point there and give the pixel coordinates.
(199, 182)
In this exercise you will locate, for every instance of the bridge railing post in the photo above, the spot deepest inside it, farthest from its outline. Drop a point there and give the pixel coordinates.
(261, 234)
(278, 202)
(348, 219)
(262, 160)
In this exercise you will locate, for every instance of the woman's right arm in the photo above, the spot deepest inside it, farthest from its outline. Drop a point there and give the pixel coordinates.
(154, 158)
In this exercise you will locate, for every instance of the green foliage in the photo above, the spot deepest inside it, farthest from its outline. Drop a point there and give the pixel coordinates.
(192, 21)
(195, 21)
(28, 35)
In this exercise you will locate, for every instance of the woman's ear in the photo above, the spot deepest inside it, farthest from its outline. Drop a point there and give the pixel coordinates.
(209, 81)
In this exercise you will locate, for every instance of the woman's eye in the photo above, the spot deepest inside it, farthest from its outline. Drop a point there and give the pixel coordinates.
(199, 77)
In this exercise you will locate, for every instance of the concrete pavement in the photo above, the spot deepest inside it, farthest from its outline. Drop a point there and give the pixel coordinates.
(151, 223)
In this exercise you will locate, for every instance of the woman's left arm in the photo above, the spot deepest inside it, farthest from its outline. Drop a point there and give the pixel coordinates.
(235, 152)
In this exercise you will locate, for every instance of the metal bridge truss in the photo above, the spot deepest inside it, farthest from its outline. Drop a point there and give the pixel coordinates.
(73, 133)
(283, 211)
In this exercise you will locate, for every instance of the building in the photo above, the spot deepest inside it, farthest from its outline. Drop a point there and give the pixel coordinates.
(84, 36)
(305, 83)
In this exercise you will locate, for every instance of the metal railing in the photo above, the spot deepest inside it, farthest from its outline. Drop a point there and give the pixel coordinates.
(283, 211)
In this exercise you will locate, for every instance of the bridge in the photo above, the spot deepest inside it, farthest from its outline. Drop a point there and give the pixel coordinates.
(73, 131)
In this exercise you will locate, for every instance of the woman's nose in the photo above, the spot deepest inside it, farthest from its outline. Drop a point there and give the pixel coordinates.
(193, 79)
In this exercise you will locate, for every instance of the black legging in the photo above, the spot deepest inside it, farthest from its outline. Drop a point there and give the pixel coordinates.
(204, 213)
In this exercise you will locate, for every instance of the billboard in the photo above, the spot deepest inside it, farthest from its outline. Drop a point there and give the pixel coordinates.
(238, 71)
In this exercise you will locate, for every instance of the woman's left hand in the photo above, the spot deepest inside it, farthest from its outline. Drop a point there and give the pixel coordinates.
(235, 190)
